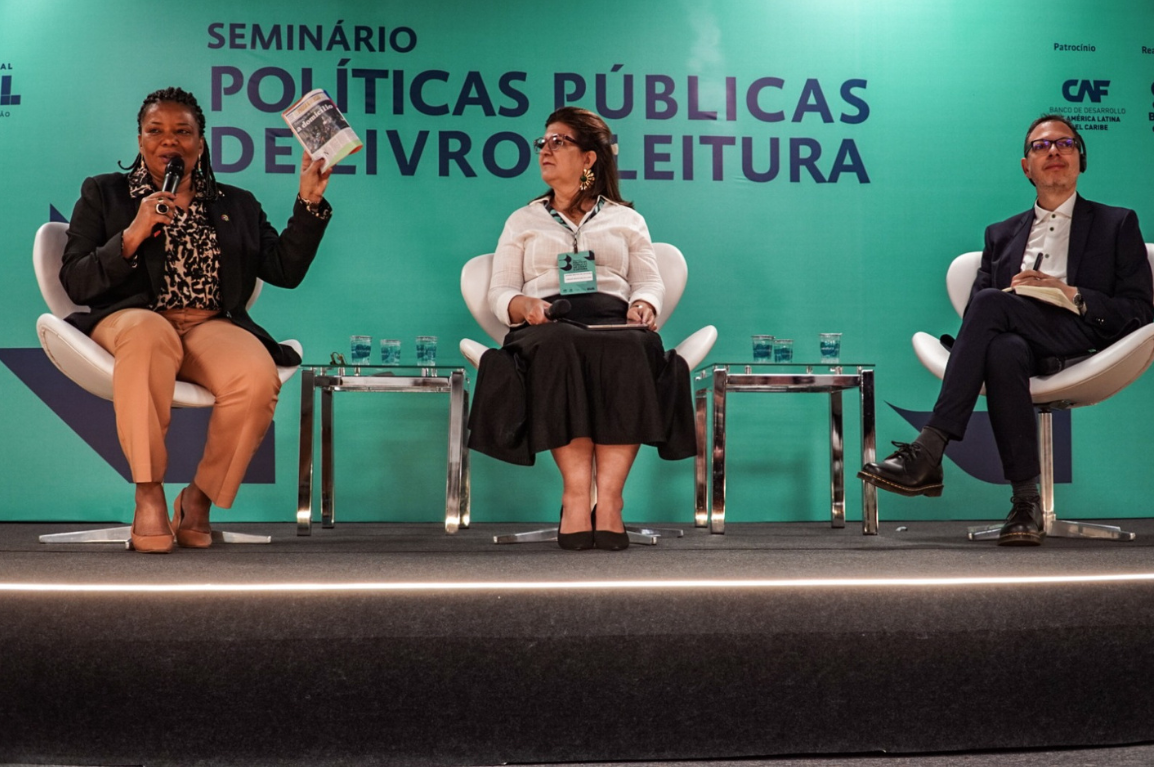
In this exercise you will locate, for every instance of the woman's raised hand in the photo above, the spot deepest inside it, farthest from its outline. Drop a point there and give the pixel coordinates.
(314, 181)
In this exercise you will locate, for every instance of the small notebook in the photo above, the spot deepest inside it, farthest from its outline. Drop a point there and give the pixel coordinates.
(1053, 296)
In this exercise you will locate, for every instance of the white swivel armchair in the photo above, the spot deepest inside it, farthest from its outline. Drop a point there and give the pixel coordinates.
(88, 365)
(1085, 382)
(475, 278)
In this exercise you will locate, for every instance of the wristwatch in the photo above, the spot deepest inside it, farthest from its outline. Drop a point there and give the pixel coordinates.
(1080, 303)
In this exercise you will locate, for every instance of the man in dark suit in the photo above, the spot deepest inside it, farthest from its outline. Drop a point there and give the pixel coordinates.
(1094, 255)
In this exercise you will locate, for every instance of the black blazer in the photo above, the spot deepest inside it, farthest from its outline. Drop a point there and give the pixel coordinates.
(94, 273)
(1107, 262)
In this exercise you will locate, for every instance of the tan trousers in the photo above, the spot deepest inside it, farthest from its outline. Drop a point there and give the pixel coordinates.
(152, 350)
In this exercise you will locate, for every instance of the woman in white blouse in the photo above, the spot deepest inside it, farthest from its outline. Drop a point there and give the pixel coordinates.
(589, 396)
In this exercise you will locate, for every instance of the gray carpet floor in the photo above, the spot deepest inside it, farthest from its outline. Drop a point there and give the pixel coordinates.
(423, 552)
(1122, 756)
(888, 643)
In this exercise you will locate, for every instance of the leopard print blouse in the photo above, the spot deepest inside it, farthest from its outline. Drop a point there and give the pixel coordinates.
(192, 255)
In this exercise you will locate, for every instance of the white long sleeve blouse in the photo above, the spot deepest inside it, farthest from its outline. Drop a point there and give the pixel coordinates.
(526, 259)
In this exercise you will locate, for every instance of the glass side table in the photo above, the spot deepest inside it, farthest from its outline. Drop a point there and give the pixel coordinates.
(713, 382)
(328, 379)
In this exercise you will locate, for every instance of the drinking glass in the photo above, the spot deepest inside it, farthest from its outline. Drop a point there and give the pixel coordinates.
(762, 348)
(390, 351)
(427, 351)
(830, 344)
(361, 347)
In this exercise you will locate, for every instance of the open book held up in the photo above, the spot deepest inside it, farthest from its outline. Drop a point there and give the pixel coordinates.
(1053, 296)
(321, 128)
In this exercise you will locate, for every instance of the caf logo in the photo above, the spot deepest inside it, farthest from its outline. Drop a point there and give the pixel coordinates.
(1078, 90)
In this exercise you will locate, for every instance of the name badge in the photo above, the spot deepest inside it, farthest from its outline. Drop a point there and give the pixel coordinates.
(577, 272)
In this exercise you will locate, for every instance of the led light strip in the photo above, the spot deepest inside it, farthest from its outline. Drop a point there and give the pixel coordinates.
(621, 585)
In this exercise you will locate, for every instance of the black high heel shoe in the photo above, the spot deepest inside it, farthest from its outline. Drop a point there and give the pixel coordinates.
(574, 541)
(607, 539)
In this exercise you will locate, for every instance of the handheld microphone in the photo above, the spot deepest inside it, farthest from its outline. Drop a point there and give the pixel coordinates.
(172, 174)
(558, 309)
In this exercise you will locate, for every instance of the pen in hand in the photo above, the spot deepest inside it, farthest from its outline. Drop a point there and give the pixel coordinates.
(1015, 281)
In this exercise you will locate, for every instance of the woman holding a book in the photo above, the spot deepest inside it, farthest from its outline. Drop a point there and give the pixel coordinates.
(594, 385)
(166, 260)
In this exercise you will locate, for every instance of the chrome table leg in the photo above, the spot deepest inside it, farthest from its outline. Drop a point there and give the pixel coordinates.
(456, 443)
(305, 461)
(701, 462)
(869, 493)
(717, 511)
(466, 481)
(328, 483)
(836, 461)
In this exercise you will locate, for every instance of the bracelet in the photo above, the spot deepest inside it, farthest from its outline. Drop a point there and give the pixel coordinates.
(313, 207)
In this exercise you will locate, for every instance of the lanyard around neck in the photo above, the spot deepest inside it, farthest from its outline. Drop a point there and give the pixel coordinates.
(561, 219)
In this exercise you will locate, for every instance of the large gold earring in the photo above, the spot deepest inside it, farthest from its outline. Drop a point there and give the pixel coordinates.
(587, 179)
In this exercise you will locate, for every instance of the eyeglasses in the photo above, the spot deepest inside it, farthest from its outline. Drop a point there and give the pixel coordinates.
(1063, 145)
(554, 142)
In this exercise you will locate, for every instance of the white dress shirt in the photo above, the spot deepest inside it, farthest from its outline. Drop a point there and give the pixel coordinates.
(1050, 239)
(526, 259)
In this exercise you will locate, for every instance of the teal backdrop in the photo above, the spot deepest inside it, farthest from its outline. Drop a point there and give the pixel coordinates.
(819, 162)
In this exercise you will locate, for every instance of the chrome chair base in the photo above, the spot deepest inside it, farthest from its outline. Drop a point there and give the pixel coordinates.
(1057, 528)
(1060, 528)
(644, 536)
(123, 535)
(660, 532)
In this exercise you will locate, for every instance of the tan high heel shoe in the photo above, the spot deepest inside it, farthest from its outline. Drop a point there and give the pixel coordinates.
(151, 544)
(188, 539)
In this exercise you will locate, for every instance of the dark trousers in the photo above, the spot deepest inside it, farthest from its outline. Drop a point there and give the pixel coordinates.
(1002, 340)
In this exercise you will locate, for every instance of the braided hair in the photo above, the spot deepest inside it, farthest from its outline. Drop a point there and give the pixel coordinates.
(184, 98)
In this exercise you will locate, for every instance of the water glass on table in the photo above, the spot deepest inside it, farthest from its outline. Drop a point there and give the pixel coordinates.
(427, 351)
(830, 344)
(762, 348)
(390, 351)
(360, 348)
(783, 350)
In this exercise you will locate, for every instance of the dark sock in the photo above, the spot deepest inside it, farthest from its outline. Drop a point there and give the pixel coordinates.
(933, 441)
(1027, 488)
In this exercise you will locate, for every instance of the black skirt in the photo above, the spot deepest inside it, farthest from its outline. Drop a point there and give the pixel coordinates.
(553, 383)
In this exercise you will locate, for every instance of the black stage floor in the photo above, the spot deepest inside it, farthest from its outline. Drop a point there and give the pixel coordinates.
(398, 644)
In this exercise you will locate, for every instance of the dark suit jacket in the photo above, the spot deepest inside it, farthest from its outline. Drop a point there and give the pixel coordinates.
(1107, 262)
(95, 274)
